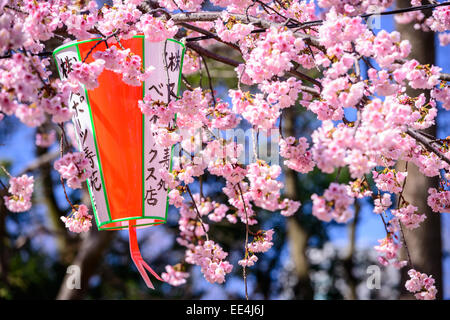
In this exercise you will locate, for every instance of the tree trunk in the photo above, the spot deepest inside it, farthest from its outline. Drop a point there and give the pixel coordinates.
(349, 261)
(89, 257)
(66, 245)
(424, 243)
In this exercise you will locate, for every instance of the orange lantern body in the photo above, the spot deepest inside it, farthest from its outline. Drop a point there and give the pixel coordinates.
(126, 188)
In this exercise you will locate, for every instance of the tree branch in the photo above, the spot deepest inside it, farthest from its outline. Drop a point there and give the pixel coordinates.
(214, 15)
(427, 144)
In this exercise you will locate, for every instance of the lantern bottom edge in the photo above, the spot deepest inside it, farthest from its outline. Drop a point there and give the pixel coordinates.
(141, 222)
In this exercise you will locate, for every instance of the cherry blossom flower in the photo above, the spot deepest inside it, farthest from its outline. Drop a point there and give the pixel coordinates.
(87, 73)
(21, 190)
(174, 275)
(439, 201)
(334, 204)
(156, 30)
(421, 285)
(75, 168)
(79, 220)
(409, 217)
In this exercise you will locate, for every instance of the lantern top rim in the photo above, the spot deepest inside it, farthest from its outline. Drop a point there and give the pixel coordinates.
(76, 42)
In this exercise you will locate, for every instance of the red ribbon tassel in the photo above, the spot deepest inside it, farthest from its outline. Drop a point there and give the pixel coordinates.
(141, 265)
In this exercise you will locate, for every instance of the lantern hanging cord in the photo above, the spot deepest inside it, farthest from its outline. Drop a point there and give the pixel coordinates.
(136, 256)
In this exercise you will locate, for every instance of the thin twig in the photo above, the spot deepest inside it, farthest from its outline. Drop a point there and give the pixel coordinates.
(209, 80)
(402, 200)
(246, 240)
(61, 178)
(197, 212)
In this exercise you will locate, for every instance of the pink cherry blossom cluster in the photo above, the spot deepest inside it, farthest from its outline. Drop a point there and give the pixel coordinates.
(191, 62)
(11, 35)
(440, 19)
(418, 76)
(211, 258)
(151, 108)
(242, 203)
(299, 158)
(339, 29)
(207, 254)
(230, 30)
(156, 30)
(87, 73)
(421, 285)
(302, 11)
(439, 201)
(121, 16)
(381, 82)
(75, 168)
(21, 190)
(334, 204)
(33, 100)
(386, 48)
(248, 261)
(442, 94)
(189, 225)
(174, 275)
(262, 242)
(359, 188)
(57, 105)
(79, 25)
(388, 249)
(221, 156)
(223, 117)
(192, 108)
(409, 217)
(389, 180)
(382, 203)
(284, 94)
(219, 212)
(351, 7)
(165, 136)
(272, 55)
(233, 5)
(19, 94)
(191, 5)
(289, 207)
(330, 145)
(340, 92)
(125, 63)
(264, 189)
(175, 198)
(255, 109)
(41, 21)
(79, 220)
(444, 38)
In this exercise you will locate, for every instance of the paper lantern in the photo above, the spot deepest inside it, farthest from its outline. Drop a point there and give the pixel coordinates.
(125, 187)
